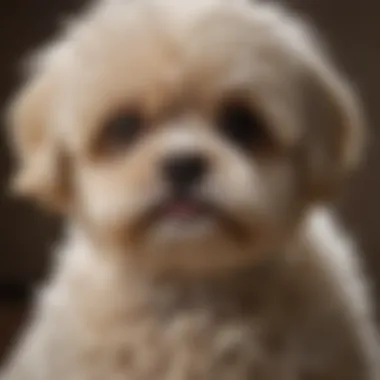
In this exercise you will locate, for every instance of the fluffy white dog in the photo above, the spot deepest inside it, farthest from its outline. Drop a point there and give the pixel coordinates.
(192, 146)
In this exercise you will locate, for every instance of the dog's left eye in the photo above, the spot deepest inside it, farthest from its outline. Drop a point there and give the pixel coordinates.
(241, 125)
(121, 130)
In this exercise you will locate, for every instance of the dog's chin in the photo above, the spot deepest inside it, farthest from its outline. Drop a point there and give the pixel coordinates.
(187, 236)
(183, 229)
(187, 220)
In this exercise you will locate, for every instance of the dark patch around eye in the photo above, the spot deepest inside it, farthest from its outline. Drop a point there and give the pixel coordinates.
(120, 131)
(241, 125)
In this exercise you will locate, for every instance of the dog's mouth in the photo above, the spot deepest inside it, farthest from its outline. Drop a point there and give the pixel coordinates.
(185, 210)
(190, 213)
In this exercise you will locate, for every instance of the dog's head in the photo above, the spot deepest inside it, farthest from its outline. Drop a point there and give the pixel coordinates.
(189, 135)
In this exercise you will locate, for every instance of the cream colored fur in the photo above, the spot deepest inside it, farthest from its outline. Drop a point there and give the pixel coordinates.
(287, 298)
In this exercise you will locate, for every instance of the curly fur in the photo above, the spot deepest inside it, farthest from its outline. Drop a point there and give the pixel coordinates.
(285, 298)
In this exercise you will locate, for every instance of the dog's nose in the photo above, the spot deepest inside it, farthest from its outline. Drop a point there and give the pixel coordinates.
(184, 170)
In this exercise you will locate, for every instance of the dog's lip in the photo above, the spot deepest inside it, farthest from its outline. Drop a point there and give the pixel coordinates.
(189, 210)
(184, 208)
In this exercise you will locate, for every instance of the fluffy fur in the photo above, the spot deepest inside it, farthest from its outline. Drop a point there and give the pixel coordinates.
(262, 284)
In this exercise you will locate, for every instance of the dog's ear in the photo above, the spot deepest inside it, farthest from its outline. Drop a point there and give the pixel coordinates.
(335, 128)
(36, 144)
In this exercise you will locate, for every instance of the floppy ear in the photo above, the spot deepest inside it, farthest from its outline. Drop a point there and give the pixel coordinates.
(335, 128)
(36, 144)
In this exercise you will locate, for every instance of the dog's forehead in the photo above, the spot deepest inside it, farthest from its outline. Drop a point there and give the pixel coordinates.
(127, 51)
(153, 54)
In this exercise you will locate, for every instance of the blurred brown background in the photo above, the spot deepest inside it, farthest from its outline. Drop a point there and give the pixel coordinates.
(353, 32)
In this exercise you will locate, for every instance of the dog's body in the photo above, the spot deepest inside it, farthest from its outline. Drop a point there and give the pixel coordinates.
(192, 146)
(305, 318)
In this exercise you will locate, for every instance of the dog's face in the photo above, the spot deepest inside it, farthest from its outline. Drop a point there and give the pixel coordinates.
(188, 139)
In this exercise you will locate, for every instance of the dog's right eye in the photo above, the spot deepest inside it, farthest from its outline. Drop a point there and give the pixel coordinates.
(241, 125)
(120, 131)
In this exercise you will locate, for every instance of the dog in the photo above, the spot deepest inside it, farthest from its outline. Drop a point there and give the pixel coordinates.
(194, 149)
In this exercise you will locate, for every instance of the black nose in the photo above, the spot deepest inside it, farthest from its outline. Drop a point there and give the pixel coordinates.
(184, 170)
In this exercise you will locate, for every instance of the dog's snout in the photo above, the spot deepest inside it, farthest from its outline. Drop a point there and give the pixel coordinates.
(184, 170)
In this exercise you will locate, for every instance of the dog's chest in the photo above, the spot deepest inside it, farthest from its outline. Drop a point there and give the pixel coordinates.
(189, 346)
(208, 333)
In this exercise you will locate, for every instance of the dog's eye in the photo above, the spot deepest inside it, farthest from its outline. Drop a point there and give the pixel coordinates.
(121, 130)
(241, 125)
